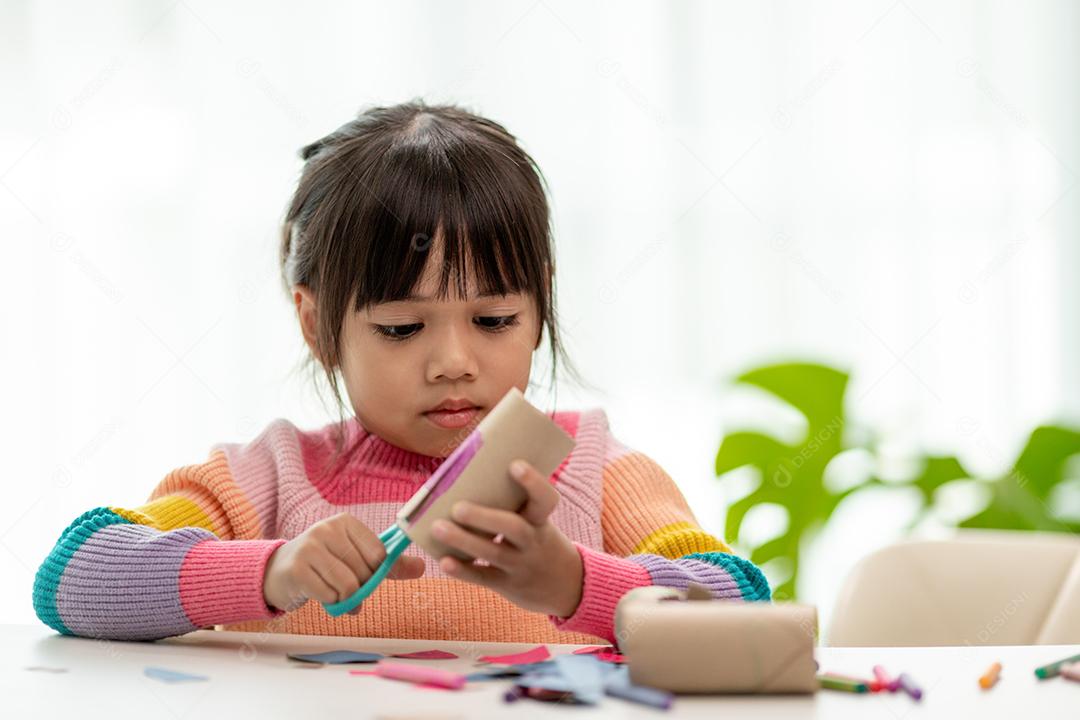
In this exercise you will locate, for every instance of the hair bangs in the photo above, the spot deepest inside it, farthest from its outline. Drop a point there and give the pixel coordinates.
(439, 199)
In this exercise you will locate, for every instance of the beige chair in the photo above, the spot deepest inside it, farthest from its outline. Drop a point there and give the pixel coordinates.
(980, 587)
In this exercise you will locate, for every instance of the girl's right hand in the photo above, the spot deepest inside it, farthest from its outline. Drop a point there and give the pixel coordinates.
(329, 562)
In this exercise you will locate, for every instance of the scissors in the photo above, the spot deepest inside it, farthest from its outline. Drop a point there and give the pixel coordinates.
(394, 538)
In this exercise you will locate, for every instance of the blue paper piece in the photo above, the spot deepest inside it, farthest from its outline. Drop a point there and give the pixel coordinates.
(338, 657)
(512, 671)
(617, 684)
(586, 674)
(547, 682)
(586, 679)
(544, 666)
(582, 676)
(502, 674)
(171, 676)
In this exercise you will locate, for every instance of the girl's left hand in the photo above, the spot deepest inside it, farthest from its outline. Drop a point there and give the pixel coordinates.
(528, 561)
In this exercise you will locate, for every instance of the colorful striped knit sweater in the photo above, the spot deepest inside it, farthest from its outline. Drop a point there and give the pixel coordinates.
(195, 554)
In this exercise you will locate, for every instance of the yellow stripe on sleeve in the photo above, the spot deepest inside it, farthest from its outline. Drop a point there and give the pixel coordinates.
(679, 539)
(168, 513)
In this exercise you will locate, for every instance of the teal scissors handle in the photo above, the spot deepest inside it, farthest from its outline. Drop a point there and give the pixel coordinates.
(395, 540)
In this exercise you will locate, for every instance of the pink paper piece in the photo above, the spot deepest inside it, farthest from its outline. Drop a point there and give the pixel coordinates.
(537, 654)
(420, 674)
(426, 655)
(611, 657)
(604, 653)
(416, 683)
(422, 686)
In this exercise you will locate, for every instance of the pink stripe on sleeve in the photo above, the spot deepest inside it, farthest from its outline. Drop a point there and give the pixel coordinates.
(221, 581)
(606, 579)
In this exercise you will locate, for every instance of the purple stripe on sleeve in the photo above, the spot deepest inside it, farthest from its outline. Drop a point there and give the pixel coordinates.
(124, 583)
(680, 573)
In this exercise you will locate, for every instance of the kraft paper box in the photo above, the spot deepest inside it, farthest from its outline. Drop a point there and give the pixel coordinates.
(688, 642)
(478, 469)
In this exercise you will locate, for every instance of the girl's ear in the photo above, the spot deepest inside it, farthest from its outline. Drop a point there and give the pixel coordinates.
(307, 312)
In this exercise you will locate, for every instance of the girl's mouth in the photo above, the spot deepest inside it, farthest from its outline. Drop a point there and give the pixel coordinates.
(452, 419)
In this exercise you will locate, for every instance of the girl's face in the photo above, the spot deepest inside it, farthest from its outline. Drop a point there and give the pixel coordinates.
(400, 360)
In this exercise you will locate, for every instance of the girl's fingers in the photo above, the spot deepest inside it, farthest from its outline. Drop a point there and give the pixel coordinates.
(343, 548)
(499, 555)
(315, 586)
(367, 543)
(488, 576)
(511, 526)
(543, 497)
(338, 575)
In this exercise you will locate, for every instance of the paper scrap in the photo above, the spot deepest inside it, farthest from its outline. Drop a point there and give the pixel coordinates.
(422, 685)
(604, 653)
(571, 678)
(617, 684)
(171, 676)
(548, 695)
(509, 671)
(426, 655)
(538, 653)
(585, 674)
(420, 674)
(583, 678)
(337, 657)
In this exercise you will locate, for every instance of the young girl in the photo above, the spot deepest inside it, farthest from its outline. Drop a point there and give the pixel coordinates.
(417, 251)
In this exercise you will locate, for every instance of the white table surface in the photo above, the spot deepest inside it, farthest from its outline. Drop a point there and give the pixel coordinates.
(251, 677)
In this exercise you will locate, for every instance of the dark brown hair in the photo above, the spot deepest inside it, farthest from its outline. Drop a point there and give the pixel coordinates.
(378, 192)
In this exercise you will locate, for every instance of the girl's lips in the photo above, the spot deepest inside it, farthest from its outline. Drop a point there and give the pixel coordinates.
(452, 419)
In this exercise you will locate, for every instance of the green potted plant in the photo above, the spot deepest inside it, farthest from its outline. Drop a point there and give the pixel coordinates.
(792, 475)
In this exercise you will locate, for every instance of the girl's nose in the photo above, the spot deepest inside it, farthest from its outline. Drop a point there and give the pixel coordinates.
(452, 358)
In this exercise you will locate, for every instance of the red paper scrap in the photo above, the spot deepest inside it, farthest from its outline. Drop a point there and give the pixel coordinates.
(604, 653)
(537, 654)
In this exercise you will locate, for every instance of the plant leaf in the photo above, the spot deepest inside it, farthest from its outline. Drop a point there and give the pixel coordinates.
(938, 470)
(817, 391)
(792, 476)
(748, 448)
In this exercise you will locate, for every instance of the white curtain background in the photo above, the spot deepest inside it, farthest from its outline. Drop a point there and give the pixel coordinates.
(885, 186)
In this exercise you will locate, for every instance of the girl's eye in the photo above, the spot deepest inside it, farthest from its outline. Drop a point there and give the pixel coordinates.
(404, 332)
(397, 332)
(497, 324)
